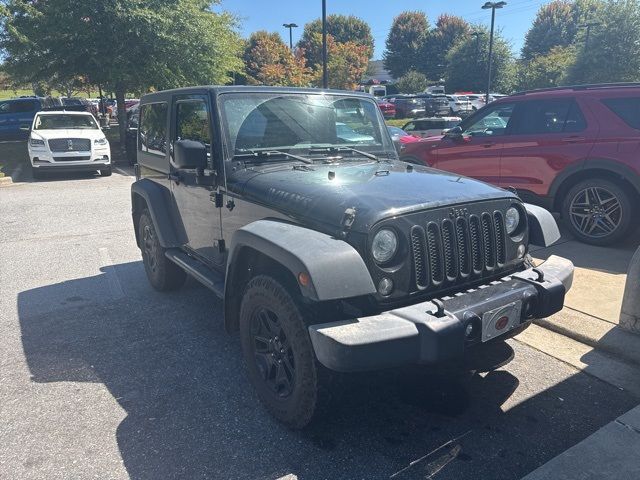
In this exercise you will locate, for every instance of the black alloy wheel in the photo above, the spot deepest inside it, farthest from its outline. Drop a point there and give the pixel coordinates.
(272, 352)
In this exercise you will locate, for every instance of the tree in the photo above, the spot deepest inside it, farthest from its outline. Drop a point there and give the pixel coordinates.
(412, 82)
(346, 64)
(467, 65)
(342, 28)
(269, 61)
(613, 54)
(545, 70)
(405, 42)
(449, 31)
(122, 45)
(557, 24)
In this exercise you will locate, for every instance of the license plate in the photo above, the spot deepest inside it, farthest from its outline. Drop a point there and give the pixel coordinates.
(500, 320)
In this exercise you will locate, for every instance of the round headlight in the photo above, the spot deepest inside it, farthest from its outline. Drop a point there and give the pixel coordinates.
(512, 220)
(384, 245)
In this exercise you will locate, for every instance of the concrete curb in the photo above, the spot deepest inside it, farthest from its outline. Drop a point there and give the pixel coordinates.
(611, 453)
(594, 332)
(630, 312)
(5, 181)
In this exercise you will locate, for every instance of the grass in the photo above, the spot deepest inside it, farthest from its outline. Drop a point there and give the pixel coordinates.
(7, 94)
(398, 122)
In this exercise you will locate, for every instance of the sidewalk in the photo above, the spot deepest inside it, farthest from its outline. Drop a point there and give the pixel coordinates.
(594, 343)
(610, 453)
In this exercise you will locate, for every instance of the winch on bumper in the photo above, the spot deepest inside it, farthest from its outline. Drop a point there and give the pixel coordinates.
(443, 330)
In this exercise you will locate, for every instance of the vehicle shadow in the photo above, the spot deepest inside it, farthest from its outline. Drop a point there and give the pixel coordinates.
(190, 412)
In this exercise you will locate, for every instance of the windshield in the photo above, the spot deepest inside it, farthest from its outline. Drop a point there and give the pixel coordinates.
(273, 121)
(64, 121)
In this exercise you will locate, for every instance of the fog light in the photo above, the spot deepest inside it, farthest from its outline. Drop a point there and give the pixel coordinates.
(385, 287)
(469, 330)
(521, 251)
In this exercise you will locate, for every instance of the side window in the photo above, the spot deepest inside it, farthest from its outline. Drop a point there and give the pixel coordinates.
(575, 120)
(192, 122)
(152, 133)
(410, 127)
(493, 122)
(627, 108)
(547, 116)
(22, 107)
(4, 107)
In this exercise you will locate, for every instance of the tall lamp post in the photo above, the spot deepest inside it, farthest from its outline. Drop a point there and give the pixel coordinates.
(492, 6)
(325, 76)
(588, 26)
(290, 26)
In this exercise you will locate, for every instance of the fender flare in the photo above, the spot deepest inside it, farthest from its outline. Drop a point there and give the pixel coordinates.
(612, 166)
(543, 229)
(336, 270)
(157, 204)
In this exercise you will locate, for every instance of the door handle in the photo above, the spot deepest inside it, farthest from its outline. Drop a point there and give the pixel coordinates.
(573, 139)
(174, 177)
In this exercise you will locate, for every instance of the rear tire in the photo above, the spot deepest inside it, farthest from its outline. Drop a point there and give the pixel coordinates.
(163, 274)
(278, 353)
(598, 212)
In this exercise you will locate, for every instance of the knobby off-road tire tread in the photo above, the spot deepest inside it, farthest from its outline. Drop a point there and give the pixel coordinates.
(168, 276)
(312, 389)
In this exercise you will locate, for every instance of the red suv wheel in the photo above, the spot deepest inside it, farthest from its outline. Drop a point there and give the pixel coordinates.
(597, 212)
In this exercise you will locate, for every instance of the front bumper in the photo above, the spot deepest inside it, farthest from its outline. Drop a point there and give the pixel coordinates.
(426, 334)
(43, 159)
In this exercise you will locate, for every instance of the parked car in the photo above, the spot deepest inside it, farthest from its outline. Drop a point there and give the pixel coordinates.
(460, 105)
(67, 141)
(400, 137)
(409, 106)
(574, 150)
(80, 104)
(435, 105)
(428, 127)
(388, 109)
(16, 115)
(327, 257)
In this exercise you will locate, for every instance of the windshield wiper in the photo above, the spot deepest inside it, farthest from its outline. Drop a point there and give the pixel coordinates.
(343, 149)
(259, 154)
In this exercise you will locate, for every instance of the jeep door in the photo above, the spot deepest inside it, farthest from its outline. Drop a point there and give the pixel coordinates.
(476, 153)
(193, 191)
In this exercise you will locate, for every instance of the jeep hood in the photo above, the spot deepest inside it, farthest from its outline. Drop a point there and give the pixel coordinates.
(322, 193)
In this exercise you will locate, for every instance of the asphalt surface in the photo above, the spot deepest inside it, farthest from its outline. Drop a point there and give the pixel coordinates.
(102, 377)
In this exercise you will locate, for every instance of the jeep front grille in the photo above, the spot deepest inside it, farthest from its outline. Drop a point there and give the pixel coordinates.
(453, 250)
(70, 145)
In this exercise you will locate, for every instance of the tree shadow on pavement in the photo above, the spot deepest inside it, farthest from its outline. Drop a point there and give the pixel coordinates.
(190, 412)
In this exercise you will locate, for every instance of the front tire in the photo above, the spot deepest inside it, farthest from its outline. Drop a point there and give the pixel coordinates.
(163, 274)
(105, 172)
(598, 212)
(278, 353)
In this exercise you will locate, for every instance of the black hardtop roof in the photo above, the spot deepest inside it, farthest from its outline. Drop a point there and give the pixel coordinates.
(220, 89)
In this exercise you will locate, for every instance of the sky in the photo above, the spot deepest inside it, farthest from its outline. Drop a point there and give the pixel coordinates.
(514, 19)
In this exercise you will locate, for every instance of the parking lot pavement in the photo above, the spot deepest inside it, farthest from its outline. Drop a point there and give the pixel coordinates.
(102, 377)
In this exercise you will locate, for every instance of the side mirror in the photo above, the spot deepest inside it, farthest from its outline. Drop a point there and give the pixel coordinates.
(25, 128)
(189, 154)
(455, 132)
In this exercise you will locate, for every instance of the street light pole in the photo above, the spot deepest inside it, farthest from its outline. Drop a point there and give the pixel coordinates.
(290, 26)
(325, 76)
(588, 26)
(492, 6)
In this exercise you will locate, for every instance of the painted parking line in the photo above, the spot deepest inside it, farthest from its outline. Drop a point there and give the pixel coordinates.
(106, 264)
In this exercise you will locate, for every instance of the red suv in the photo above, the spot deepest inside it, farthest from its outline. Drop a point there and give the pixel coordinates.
(574, 150)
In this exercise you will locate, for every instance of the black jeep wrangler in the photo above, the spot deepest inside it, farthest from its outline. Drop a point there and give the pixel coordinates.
(329, 253)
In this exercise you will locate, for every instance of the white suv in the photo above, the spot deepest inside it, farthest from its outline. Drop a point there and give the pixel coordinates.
(64, 140)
